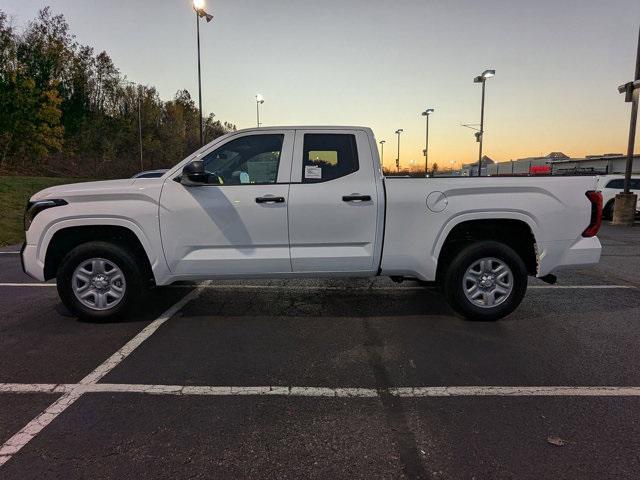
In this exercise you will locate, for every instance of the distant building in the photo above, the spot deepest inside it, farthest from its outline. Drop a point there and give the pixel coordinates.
(596, 164)
(471, 169)
(525, 166)
(557, 163)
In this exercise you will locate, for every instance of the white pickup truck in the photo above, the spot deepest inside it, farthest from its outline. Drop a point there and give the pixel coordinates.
(307, 202)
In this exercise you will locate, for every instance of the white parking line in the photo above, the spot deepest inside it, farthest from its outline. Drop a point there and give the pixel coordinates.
(35, 426)
(28, 387)
(209, 285)
(345, 392)
(595, 287)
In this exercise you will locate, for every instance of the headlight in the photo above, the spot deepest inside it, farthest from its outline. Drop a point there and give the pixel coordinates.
(34, 208)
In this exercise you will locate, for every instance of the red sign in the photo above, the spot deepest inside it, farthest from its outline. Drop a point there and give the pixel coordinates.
(540, 170)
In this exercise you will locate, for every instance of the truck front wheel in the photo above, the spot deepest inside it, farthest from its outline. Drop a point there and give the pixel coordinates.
(99, 281)
(485, 281)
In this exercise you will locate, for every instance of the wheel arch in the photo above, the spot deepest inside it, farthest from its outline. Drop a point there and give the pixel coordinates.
(518, 231)
(62, 237)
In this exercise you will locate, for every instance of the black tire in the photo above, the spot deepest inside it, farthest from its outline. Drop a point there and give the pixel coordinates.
(607, 211)
(454, 287)
(135, 286)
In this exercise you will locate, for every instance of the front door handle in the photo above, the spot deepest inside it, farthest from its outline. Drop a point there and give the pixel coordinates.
(355, 197)
(269, 199)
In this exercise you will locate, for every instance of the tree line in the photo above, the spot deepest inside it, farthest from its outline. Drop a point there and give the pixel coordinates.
(67, 111)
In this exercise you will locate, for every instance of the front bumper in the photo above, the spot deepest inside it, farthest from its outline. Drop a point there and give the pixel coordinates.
(24, 244)
(30, 264)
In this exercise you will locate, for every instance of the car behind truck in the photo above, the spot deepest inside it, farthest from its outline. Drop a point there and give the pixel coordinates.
(307, 202)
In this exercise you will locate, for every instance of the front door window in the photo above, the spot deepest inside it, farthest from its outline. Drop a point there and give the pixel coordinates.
(252, 159)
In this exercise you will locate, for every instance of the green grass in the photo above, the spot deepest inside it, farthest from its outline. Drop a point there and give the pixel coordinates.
(14, 193)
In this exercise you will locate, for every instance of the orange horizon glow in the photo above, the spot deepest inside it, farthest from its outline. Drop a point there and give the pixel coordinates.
(503, 143)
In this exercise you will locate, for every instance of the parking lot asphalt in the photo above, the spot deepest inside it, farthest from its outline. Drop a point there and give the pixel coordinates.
(326, 378)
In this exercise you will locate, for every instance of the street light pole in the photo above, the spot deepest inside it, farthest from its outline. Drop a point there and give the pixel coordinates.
(482, 79)
(382, 142)
(259, 101)
(198, 6)
(634, 116)
(481, 130)
(632, 134)
(426, 141)
(199, 80)
(398, 132)
(140, 130)
(139, 90)
(625, 202)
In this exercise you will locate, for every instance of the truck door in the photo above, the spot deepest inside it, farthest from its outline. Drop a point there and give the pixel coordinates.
(237, 223)
(333, 203)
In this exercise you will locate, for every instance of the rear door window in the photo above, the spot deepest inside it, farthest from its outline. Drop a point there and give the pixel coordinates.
(328, 156)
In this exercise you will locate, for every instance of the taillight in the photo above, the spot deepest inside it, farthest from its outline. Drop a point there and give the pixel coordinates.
(596, 213)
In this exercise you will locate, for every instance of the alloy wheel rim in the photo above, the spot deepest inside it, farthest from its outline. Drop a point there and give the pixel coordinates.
(488, 282)
(98, 284)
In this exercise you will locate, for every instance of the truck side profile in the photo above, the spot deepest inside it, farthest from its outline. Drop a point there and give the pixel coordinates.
(307, 202)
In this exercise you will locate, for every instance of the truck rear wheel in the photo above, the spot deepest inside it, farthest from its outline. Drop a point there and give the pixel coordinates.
(607, 212)
(99, 281)
(485, 281)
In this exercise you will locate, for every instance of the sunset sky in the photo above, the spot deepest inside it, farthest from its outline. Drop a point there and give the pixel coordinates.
(380, 63)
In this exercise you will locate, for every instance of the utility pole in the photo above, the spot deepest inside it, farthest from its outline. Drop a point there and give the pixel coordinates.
(625, 202)
(481, 131)
(259, 101)
(483, 80)
(140, 129)
(426, 141)
(198, 6)
(382, 142)
(199, 80)
(398, 132)
(137, 89)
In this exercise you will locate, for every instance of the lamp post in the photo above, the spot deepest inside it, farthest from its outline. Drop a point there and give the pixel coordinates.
(133, 85)
(140, 129)
(482, 79)
(398, 132)
(426, 141)
(382, 142)
(198, 6)
(625, 203)
(259, 101)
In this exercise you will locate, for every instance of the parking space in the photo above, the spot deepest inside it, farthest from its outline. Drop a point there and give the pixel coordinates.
(153, 436)
(42, 343)
(317, 378)
(160, 436)
(19, 408)
(287, 337)
(500, 438)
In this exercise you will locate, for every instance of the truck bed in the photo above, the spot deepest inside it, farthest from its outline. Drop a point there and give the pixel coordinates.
(420, 213)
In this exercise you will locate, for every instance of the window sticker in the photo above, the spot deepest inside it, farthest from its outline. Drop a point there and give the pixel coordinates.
(311, 171)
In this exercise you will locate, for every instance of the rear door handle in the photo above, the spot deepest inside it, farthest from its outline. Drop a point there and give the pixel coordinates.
(356, 198)
(269, 199)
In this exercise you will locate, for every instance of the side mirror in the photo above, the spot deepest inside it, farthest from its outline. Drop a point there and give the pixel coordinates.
(193, 173)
